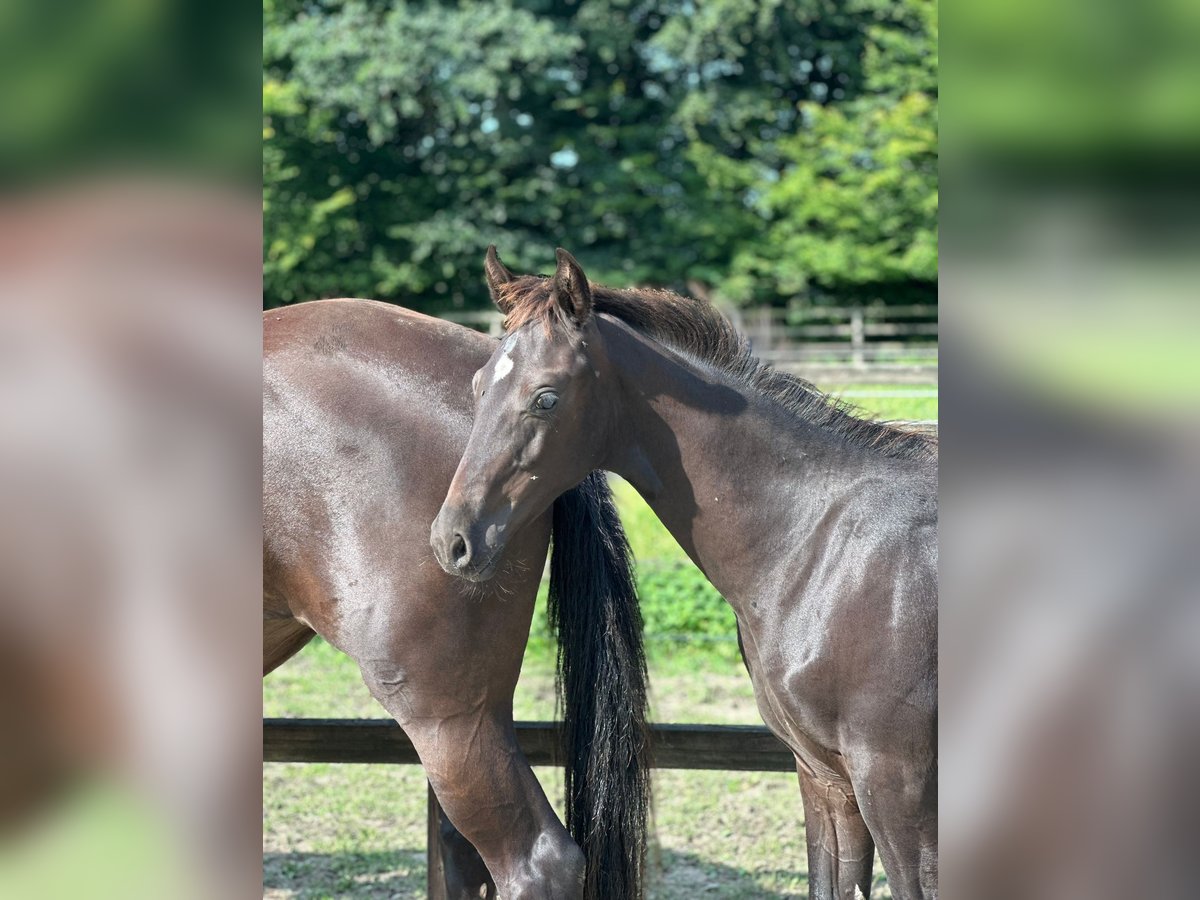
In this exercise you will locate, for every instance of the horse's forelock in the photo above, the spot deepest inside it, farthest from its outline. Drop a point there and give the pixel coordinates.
(530, 298)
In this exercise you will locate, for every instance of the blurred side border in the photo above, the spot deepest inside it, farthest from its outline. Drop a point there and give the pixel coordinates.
(130, 297)
(1069, 411)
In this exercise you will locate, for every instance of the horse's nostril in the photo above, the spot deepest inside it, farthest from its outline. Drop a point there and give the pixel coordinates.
(458, 550)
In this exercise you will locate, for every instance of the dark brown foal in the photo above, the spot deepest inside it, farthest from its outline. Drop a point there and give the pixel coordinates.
(819, 528)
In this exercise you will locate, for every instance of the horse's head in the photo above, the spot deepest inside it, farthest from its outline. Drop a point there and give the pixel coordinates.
(542, 420)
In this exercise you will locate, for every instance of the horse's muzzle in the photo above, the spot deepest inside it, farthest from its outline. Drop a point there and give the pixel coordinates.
(462, 549)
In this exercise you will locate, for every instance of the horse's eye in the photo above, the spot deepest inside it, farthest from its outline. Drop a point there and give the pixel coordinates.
(545, 401)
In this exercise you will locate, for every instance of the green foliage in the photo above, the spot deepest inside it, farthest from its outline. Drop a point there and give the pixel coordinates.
(851, 205)
(749, 149)
(684, 613)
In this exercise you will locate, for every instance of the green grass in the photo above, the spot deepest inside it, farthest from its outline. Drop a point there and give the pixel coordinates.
(359, 831)
(895, 405)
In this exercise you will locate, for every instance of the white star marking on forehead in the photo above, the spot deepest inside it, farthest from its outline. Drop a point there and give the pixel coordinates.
(505, 363)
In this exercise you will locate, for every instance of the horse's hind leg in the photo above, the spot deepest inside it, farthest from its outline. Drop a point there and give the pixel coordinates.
(841, 853)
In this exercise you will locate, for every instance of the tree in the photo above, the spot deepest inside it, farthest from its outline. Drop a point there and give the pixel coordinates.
(667, 143)
(837, 158)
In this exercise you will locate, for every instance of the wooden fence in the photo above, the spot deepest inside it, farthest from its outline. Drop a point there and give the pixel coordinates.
(825, 344)
(745, 748)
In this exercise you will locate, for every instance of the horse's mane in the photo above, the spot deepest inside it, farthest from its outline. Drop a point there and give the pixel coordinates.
(697, 330)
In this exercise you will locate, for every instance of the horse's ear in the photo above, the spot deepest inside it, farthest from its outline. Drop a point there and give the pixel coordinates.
(497, 274)
(571, 287)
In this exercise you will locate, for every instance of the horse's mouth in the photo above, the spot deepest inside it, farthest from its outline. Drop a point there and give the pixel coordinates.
(479, 574)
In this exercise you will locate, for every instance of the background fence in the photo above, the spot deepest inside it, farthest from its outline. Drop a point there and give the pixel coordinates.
(843, 345)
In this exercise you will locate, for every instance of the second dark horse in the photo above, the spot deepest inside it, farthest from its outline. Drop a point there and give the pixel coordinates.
(366, 412)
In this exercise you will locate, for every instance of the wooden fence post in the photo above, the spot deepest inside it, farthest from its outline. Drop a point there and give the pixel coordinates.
(435, 883)
(760, 328)
(857, 337)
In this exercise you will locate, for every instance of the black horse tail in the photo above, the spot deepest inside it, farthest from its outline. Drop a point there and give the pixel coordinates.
(593, 605)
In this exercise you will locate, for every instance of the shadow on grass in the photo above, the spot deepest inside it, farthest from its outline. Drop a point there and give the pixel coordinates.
(401, 874)
(317, 876)
(674, 876)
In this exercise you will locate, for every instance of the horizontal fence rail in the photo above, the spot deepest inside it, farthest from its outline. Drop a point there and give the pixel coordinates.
(825, 374)
(743, 748)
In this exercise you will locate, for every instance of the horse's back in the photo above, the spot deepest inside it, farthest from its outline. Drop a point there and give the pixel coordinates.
(366, 410)
(341, 349)
(356, 390)
(350, 324)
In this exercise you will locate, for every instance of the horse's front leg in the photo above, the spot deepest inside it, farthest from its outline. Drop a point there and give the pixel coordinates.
(486, 788)
(464, 874)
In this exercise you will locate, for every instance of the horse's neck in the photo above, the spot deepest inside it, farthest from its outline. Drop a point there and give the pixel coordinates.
(733, 477)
